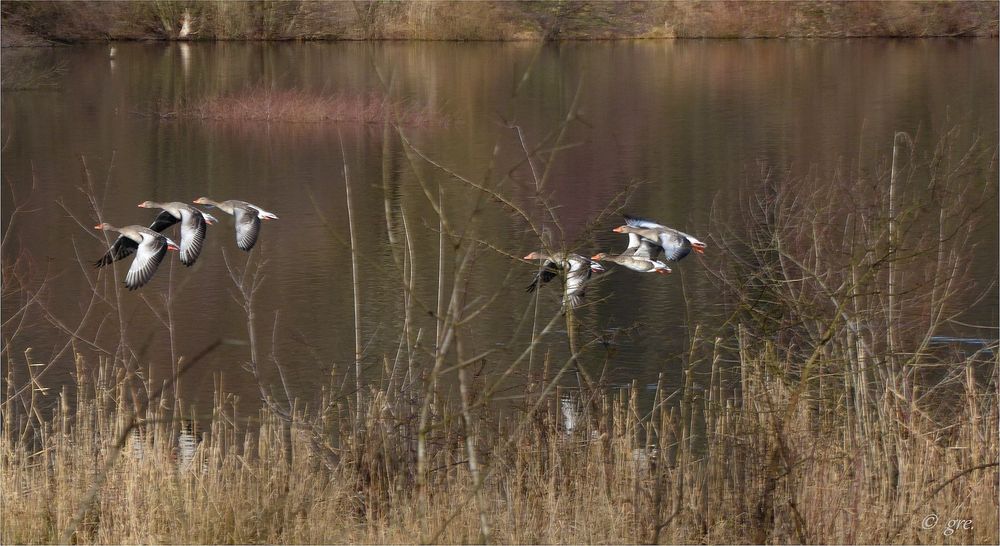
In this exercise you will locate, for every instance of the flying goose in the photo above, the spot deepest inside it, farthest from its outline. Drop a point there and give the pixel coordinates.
(124, 247)
(194, 225)
(578, 270)
(247, 216)
(635, 263)
(675, 244)
(149, 246)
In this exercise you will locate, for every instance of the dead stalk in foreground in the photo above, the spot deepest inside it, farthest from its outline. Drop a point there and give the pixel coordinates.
(354, 276)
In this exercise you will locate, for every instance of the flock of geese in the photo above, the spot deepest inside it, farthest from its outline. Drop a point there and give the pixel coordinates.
(646, 241)
(150, 244)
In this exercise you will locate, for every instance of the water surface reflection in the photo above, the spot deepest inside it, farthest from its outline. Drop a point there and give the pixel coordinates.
(687, 123)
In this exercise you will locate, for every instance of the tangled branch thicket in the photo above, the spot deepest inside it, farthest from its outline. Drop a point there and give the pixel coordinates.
(828, 412)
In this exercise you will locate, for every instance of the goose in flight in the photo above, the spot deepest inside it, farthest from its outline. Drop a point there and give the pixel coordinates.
(150, 247)
(247, 216)
(635, 263)
(645, 236)
(194, 225)
(578, 271)
(193, 222)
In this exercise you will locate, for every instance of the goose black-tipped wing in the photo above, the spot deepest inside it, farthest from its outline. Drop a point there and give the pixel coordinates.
(162, 221)
(193, 229)
(546, 274)
(123, 247)
(648, 249)
(247, 227)
(147, 260)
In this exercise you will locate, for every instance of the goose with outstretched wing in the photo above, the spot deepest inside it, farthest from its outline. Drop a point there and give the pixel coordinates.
(149, 247)
(578, 270)
(674, 244)
(194, 226)
(193, 222)
(248, 219)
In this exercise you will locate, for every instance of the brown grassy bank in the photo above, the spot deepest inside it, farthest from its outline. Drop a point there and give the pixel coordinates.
(29, 23)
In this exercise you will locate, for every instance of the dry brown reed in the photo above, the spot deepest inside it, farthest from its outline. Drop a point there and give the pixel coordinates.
(623, 475)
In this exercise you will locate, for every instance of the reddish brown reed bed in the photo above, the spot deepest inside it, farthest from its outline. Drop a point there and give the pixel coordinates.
(297, 106)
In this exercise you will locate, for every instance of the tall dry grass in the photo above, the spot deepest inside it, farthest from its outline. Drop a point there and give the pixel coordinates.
(698, 473)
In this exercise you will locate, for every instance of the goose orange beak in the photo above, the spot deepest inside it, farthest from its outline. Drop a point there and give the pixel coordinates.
(619, 229)
(98, 226)
(172, 247)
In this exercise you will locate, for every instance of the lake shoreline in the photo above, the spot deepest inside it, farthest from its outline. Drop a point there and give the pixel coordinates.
(29, 24)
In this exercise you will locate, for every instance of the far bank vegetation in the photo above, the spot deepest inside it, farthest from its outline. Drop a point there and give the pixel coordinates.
(33, 23)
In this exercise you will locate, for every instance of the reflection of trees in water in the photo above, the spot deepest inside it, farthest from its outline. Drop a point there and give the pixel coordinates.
(30, 68)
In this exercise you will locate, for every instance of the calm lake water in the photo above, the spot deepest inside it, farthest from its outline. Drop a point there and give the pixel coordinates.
(692, 121)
